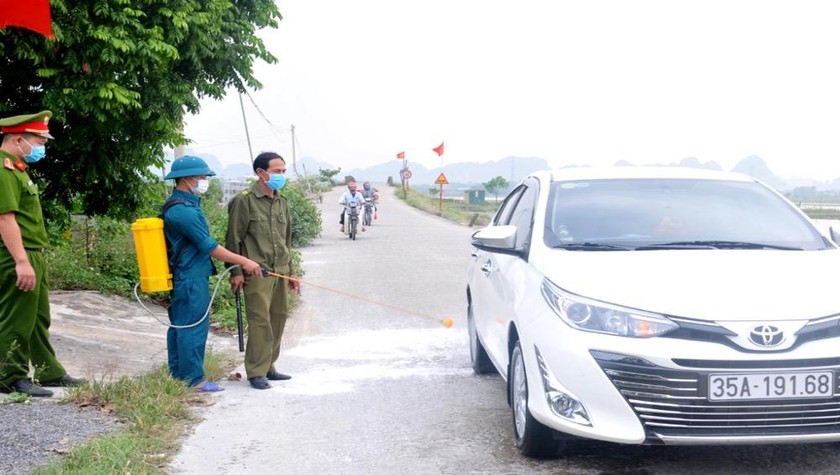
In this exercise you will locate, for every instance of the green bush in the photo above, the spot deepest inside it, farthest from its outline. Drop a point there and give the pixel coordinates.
(306, 220)
(94, 255)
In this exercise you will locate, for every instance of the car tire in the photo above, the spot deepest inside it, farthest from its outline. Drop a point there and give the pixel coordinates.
(533, 439)
(481, 363)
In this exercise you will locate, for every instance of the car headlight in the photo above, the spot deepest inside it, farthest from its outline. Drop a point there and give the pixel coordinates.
(593, 316)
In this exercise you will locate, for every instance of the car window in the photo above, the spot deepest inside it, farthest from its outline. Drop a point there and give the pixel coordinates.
(503, 215)
(638, 212)
(522, 215)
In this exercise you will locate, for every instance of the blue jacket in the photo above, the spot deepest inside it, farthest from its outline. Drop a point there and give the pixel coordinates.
(188, 233)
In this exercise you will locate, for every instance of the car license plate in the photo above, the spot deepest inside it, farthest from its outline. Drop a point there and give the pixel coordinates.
(746, 386)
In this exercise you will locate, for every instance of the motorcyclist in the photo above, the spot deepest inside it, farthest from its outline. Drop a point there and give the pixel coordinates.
(368, 192)
(349, 196)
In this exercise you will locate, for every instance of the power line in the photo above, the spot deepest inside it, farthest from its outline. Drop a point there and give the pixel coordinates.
(276, 129)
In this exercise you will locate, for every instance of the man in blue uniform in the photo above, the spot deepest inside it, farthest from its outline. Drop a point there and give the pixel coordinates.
(188, 234)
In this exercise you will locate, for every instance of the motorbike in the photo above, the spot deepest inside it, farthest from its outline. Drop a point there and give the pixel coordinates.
(351, 220)
(367, 220)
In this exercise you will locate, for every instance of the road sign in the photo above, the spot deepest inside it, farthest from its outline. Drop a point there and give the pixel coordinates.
(406, 174)
(441, 180)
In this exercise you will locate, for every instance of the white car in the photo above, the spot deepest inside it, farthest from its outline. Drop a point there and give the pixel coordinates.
(657, 305)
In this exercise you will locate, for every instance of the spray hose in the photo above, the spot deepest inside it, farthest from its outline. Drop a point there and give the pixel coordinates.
(206, 313)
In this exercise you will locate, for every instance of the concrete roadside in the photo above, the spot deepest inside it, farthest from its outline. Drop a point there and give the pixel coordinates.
(103, 338)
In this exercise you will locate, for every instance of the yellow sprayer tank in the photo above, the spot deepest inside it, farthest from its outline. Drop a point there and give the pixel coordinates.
(150, 246)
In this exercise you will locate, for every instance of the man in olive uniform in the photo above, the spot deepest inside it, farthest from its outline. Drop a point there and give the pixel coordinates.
(259, 227)
(24, 293)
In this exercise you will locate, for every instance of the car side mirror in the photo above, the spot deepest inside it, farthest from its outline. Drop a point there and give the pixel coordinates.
(496, 239)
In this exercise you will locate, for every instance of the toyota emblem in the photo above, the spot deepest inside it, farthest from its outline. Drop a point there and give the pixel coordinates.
(767, 336)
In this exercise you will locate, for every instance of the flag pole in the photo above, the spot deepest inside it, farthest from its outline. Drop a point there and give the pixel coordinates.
(441, 179)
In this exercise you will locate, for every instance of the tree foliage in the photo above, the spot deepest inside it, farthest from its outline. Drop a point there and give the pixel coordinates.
(119, 78)
(327, 175)
(496, 185)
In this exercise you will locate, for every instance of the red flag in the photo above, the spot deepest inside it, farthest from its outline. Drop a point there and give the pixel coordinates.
(401, 155)
(31, 14)
(439, 149)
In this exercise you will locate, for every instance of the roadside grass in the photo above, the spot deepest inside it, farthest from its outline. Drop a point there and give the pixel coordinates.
(157, 412)
(454, 210)
(822, 213)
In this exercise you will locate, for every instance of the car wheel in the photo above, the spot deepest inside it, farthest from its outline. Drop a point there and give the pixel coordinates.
(533, 439)
(481, 363)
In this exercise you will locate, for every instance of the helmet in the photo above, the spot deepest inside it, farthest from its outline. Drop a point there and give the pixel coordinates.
(366, 185)
(188, 166)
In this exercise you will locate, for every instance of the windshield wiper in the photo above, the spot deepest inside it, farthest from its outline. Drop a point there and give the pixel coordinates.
(591, 246)
(715, 245)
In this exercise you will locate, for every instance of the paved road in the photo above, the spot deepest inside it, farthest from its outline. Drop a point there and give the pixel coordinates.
(387, 389)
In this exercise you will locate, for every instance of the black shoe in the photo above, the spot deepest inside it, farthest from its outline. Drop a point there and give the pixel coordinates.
(27, 387)
(275, 376)
(259, 382)
(64, 382)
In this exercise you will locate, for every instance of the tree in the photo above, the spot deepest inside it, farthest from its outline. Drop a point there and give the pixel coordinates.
(120, 77)
(327, 175)
(495, 185)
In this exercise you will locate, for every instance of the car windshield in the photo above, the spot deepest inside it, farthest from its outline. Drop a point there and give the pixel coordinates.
(648, 214)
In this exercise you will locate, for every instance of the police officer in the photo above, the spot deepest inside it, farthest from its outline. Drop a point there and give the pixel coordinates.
(259, 226)
(187, 231)
(24, 291)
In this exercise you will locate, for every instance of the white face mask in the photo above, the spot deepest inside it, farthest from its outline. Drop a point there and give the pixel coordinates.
(201, 187)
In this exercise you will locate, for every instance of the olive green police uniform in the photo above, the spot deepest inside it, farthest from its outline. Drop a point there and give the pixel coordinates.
(259, 227)
(25, 316)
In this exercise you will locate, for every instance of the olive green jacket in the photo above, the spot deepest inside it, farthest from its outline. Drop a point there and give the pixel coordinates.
(260, 228)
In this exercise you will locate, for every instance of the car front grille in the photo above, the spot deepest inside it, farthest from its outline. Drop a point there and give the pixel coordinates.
(673, 403)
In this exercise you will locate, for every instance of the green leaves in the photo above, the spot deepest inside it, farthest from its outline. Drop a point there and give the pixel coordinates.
(119, 78)
(496, 185)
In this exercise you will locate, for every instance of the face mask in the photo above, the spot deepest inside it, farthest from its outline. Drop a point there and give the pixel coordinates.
(276, 181)
(201, 187)
(36, 152)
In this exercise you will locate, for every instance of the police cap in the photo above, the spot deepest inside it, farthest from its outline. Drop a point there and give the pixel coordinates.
(27, 124)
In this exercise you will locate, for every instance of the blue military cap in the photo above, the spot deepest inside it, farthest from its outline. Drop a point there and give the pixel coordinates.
(188, 165)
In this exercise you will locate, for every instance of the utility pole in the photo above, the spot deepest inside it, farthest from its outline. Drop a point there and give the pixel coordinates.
(294, 158)
(247, 135)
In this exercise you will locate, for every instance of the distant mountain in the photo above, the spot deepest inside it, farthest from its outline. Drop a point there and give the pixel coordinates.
(513, 169)
(237, 171)
(755, 167)
(308, 166)
(693, 162)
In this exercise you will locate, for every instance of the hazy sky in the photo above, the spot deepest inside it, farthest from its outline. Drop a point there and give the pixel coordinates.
(583, 82)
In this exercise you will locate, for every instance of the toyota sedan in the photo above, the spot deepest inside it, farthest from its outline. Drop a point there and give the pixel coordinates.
(657, 305)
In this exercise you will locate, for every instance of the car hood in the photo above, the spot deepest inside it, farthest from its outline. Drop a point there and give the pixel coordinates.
(718, 285)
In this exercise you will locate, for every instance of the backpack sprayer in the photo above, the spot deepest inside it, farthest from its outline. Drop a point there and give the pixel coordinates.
(155, 275)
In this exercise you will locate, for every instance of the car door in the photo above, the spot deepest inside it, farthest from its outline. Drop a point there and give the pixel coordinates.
(501, 272)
